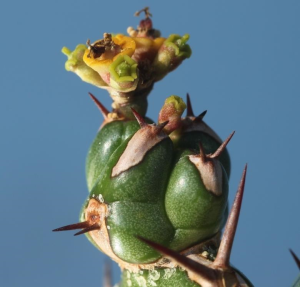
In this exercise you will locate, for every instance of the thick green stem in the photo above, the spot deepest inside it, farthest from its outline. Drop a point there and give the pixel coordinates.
(160, 277)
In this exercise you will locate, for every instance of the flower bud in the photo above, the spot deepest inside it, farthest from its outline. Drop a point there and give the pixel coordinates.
(181, 49)
(170, 55)
(171, 112)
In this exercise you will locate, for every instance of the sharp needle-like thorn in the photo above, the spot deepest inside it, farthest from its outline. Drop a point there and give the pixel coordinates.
(223, 256)
(222, 147)
(297, 260)
(183, 261)
(201, 116)
(139, 118)
(189, 109)
(74, 226)
(202, 151)
(102, 109)
(107, 274)
(88, 229)
(160, 127)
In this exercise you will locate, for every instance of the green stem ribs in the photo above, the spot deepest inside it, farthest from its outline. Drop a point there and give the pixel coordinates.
(157, 193)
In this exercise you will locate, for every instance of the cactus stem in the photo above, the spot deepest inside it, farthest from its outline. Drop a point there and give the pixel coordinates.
(102, 109)
(95, 226)
(297, 260)
(182, 260)
(160, 127)
(74, 226)
(222, 147)
(223, 256)
(189, 109)
(139, 118)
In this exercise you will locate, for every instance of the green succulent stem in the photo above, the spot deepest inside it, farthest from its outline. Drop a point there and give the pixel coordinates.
(164, 277)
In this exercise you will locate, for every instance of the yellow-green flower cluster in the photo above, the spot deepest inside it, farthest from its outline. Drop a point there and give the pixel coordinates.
(126, 63)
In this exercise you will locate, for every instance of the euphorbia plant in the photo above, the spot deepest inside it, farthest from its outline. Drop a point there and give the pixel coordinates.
(157, 192)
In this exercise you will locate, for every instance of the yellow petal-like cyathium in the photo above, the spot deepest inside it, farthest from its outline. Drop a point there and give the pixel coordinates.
(127, 44)
(101, 64)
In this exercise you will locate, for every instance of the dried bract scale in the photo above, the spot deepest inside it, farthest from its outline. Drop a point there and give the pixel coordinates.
(142, 141)
(210, 171)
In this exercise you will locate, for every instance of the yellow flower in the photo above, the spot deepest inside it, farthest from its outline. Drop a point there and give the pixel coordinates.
(112, 49)
(127, 63)
(116, 59)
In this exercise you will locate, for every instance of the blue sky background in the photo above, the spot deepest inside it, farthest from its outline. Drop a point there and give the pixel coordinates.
(244, 70)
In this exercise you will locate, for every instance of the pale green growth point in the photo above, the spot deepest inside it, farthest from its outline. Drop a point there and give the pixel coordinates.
(66, 51)
(74, 58)
(177, 102)
(123, 69)
(171, 112)
(178, 43)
